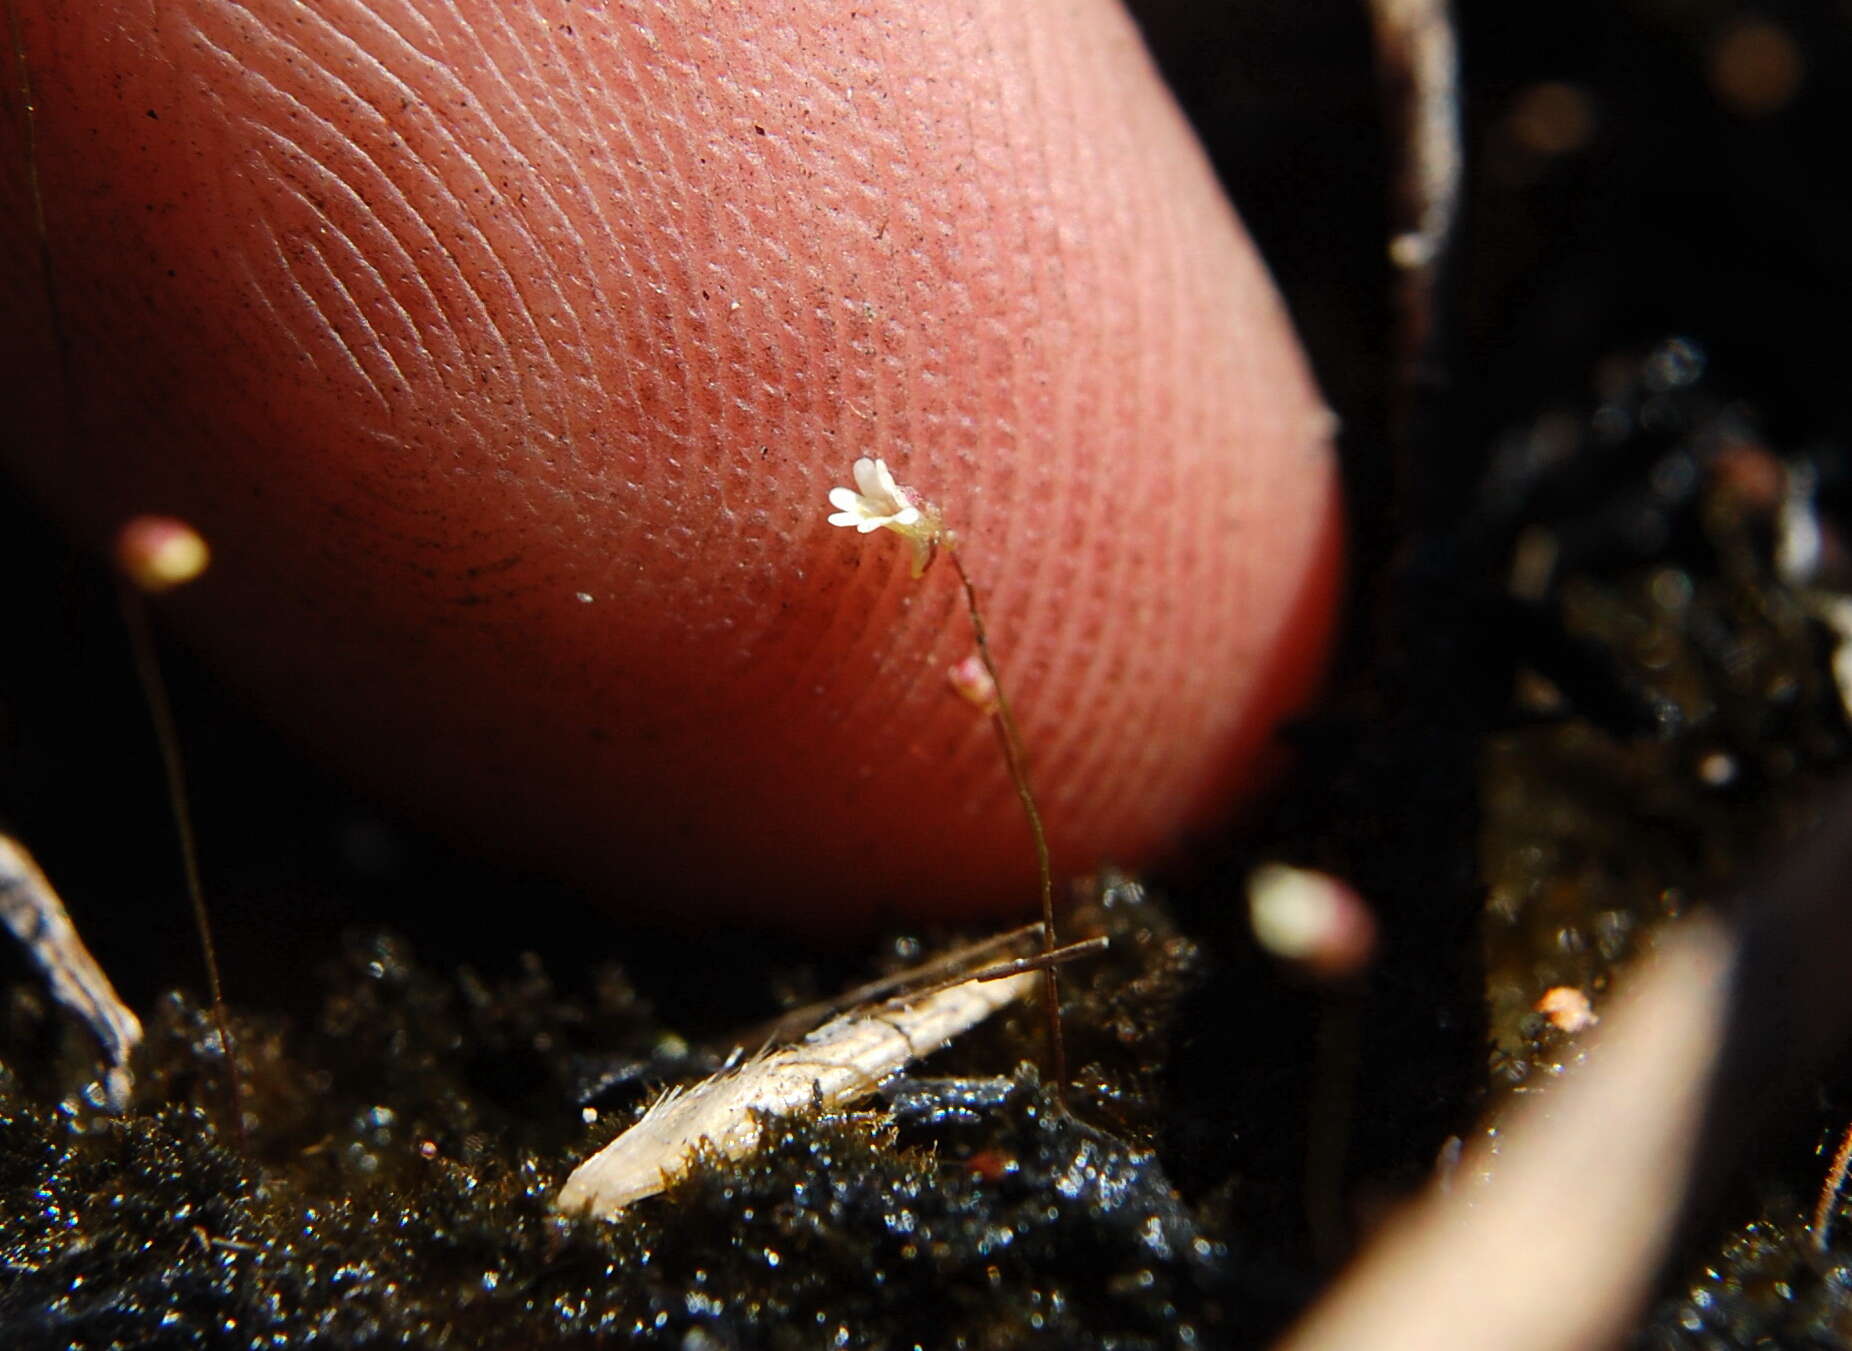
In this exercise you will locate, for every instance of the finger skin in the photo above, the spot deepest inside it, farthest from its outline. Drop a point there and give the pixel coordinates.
(506, 354)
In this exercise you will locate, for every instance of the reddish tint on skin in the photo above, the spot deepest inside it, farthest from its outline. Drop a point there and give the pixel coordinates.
(506, 354)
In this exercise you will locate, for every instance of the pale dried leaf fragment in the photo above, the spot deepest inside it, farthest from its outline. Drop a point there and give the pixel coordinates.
(38, 919)
(1580, 1191)
(845, 1059)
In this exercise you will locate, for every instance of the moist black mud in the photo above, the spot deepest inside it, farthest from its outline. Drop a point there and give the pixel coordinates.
(403, 1148)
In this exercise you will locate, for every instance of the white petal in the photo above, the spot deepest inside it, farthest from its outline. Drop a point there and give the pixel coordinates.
(845, 499)
(869, 475)
(885, 477)
(854, 518)
(871, 523)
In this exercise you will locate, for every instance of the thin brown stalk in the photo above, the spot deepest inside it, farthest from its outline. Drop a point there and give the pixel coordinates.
(1061, 956)
(1016, 762)
(160, 712)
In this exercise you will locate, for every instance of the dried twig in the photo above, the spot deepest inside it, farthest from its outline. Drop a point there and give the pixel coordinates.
(38, 919)
(1581, 1193)
(1596, 1182)
(1822, 1226)
(843, 1060)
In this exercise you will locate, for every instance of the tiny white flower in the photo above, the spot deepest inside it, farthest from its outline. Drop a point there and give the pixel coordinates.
(880, 503)
(877, 502)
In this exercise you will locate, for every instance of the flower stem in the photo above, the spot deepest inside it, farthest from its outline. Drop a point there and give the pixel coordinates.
(167, 735)
(1019, 776)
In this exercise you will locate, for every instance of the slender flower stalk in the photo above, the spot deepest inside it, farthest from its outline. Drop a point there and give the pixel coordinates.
(156, 554)
(879, 502)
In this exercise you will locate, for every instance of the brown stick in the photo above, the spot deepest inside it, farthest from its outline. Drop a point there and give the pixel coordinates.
(31, 909)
